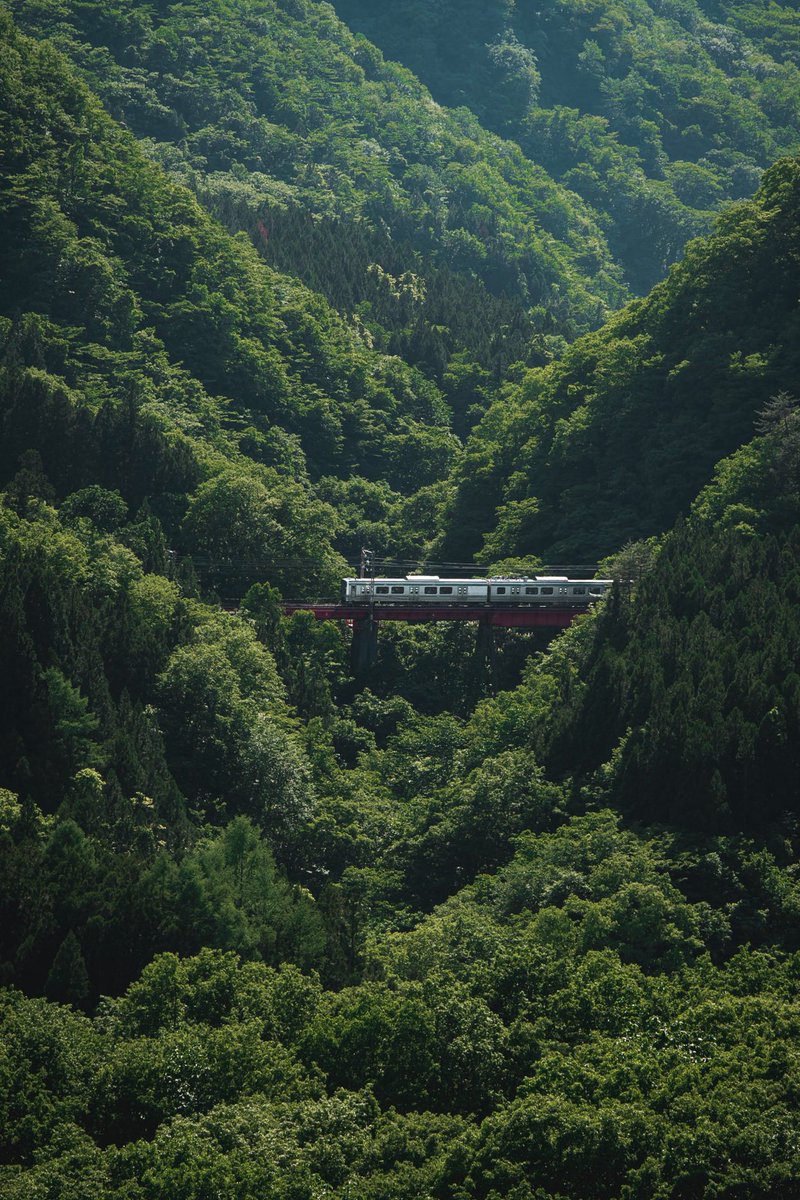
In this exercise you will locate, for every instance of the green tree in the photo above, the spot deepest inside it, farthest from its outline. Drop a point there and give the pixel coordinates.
(68, 979)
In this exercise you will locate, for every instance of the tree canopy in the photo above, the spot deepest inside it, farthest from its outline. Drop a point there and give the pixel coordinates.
(511, 916)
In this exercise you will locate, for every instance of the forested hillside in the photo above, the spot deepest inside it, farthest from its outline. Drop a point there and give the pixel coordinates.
(130, 319)
(501, 920)
(448, 245)
(655, 114)
(615, 439)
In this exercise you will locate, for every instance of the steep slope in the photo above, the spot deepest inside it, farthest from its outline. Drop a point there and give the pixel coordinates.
(655, 114)
(447, 241)
(615, 440)
(692, 694)
(159, 389)
(129, 316)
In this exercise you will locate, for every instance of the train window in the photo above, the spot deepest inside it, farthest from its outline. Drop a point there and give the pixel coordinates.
(414, 590)
(429, 591)
(445, 591)
(547, 591)
(500, 591)
(531, 591)
(462, 591)
(382, 591)
(579, 591)
(398, 591)
(515, 591)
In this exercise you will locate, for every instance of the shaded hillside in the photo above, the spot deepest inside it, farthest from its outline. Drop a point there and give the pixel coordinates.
(615, 440)
(655, 115)
(691, 693)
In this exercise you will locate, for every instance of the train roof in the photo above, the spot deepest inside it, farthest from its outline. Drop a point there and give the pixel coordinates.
(460, 579)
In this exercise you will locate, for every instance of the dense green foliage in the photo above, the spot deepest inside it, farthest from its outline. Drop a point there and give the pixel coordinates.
(121, 701)
(444, 243)
(695, 688)
(507, 918)
(613, 441)
(134, 320)
(570, 1001)
(655, 114)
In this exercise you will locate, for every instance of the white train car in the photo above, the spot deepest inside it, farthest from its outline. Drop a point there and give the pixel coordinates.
(541, 590)
(415, 589)
(557, 590)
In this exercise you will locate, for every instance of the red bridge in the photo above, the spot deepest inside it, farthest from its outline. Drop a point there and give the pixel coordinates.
(365, 620)
(500, 618)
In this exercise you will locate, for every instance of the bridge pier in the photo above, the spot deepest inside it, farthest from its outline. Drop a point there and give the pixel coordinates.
(364, 648)
(485, 652)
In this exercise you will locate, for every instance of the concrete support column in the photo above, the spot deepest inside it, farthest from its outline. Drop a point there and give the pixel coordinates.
(485, 652)
(364, 649)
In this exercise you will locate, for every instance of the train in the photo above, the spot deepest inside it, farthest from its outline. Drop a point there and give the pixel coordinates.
(536, 591)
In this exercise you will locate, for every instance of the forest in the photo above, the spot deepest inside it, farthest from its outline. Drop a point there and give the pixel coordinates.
(469, 284)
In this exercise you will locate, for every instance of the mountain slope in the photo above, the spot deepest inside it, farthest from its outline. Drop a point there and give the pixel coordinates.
(691, 694)
(123, 302)
(615, 440)
(655, 114)
(448, 243)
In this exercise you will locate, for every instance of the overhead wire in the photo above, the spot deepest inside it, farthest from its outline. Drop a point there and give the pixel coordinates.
(251, 564)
